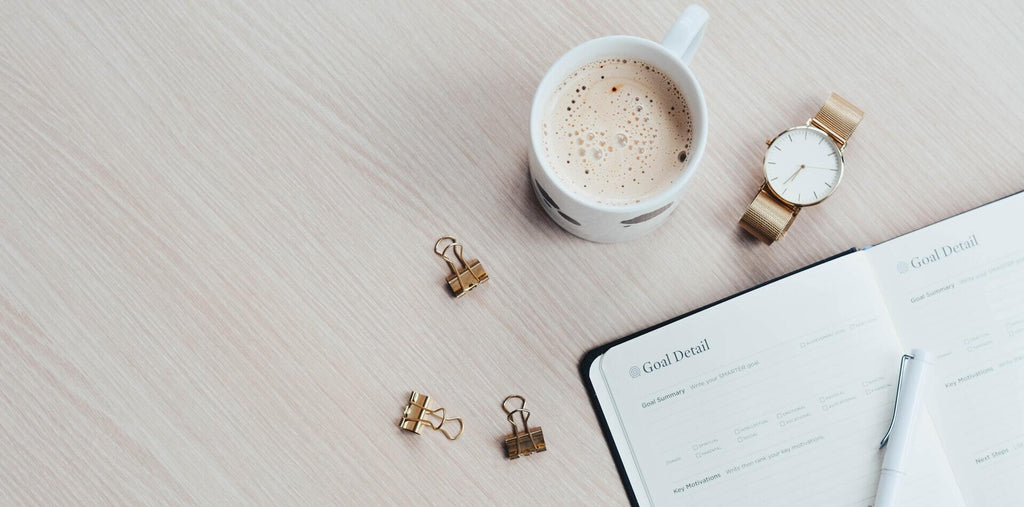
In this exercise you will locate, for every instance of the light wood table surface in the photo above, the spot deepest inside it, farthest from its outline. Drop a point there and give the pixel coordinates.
(216, 276)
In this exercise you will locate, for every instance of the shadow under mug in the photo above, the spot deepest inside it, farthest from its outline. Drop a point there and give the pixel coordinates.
(605, 223)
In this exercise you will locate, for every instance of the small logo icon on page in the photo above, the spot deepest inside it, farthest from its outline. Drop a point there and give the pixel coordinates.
(634, 372)
(902, 267)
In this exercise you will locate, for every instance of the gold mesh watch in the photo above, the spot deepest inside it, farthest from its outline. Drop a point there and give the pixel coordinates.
(802, 167)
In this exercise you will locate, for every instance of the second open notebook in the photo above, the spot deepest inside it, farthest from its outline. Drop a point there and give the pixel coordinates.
(780, 395)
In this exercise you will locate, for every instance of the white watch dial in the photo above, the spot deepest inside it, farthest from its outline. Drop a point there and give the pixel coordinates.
(803, 165)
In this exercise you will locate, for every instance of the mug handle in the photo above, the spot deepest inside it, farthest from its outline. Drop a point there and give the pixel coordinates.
(685, 35)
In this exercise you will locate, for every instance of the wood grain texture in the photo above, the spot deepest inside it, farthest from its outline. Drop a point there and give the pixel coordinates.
(216, 278)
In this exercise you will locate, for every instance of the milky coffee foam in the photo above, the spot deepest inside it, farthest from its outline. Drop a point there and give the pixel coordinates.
(617, 132)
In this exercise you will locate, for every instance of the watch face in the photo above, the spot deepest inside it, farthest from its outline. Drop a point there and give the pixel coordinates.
(803, 165)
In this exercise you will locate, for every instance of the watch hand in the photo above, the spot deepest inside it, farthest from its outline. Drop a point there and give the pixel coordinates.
(825, 168)
(801, 168)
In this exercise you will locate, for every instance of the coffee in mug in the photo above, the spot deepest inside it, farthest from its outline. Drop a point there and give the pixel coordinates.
(617, 128)
(617, 131)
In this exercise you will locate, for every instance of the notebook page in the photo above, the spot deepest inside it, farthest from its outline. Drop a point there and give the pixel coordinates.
(777, 397)
(956, 288)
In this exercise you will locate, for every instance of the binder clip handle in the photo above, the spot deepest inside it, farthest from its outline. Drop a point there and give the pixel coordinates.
(439, 413)
(456, 249)
(446, 433)
(524, 414)
(510, 411)
(437, 245)
(443, 252)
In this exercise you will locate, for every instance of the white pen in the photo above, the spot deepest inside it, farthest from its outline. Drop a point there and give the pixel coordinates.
(909, 400)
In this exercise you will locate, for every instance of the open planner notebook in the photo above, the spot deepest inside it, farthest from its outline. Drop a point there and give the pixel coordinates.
(781, 394)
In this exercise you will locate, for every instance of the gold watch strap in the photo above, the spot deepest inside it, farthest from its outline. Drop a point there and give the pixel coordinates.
(768, 218)
(839, 118)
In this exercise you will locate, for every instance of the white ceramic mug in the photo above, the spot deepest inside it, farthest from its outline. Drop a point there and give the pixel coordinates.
(607, 223)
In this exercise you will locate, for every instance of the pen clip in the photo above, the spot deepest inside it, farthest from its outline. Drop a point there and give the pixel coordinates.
(896, 404)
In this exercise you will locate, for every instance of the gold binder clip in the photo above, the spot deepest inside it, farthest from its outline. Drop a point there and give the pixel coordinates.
(524, 443)
(465, 277)
(417, 411)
